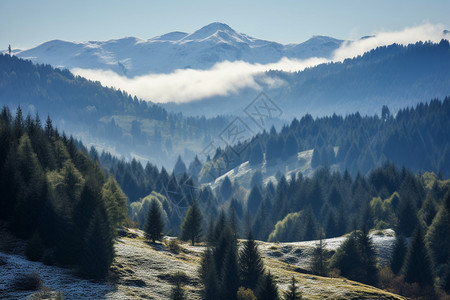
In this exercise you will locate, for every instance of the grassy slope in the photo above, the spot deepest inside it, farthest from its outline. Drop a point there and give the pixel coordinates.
(145, 271)
(155, 266)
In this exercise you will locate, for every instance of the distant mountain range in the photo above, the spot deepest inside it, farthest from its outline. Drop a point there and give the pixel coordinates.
(201, 49)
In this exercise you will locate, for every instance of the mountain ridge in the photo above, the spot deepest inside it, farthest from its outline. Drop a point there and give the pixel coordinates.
(201, 49)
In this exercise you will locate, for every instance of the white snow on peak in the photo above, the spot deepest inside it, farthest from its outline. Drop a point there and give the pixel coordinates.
(201, 49)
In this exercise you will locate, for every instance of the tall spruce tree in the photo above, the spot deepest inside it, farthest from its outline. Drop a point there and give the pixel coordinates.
(154, 225)
(191, 229)
(230, 277)
(417, 263)
(208, 276)
(267, 289)
(367, 253)
(98, 247)
(319, 263)
(398, 254)
(250, 264)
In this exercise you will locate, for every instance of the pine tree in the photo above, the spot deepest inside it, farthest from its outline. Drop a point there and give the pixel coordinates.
(226, 188)
(293, 293)
(154, 224)
(407, 217)
(256, 155)
(367, 253)
(347, 258)
(250, 264)
(230, 277)
(319, 264)
(208, 276)
(254, 200)
(417, 263)
(398, 254)
(191, 228)
(98, 247)
(267, 289)
(180, 167)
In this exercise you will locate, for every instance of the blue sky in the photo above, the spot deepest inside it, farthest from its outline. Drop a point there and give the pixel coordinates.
(26, 23)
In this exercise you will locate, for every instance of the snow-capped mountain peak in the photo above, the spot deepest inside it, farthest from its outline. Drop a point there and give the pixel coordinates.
(201, 49)
(210, 30)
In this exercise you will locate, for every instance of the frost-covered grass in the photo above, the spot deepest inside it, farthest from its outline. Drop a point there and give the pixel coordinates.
(299, 253)
(143, 270)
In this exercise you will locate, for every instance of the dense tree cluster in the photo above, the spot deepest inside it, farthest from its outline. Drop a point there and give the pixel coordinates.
(355, 143)
(56, 196)
(231, 272)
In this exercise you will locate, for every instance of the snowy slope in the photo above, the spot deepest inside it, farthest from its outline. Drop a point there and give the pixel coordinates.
(201, 49)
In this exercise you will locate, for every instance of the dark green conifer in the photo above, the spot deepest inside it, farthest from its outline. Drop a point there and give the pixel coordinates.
(398, 254)
(98, 247)
(191, 229)
(293, 293)
(267, 289)
(154, 225)
(250, 264)
(417, 263)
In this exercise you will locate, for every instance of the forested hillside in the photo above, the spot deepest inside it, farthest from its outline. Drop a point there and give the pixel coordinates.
(55, 196)
(108, 118)
(413, 137)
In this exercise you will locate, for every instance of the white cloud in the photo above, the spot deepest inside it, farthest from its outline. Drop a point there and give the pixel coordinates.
(225, 78)
(186, 85)
(426, 32)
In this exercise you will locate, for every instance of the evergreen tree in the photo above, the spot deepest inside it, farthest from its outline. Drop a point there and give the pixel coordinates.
(191, 229)
(230, 274)
(267, 289)
(310, 231)
(180, 167)
(208, 276)
(428, 210)
(398, 254)
(256, 155)
(154, 225)
(417, 266)
(347, 258)
(407, 217)
(254, 200)
(367, 253)
(319, 264)
(98, 247)
(293, 293)
(250, 264)
(438, 234)
(291, 145)
(226, 188)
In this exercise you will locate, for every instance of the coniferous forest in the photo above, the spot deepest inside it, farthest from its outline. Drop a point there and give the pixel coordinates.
(56, 197)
